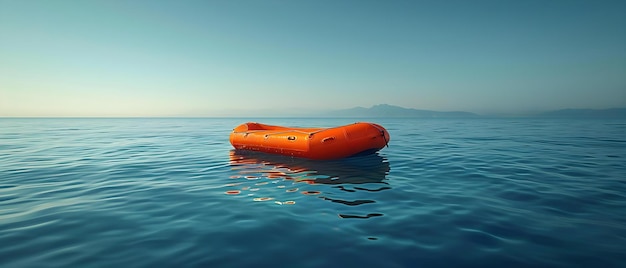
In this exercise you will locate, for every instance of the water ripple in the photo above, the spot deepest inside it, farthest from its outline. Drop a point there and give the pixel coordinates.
(446, 193)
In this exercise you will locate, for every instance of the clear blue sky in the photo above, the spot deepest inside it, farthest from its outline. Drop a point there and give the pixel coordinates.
(204, 58)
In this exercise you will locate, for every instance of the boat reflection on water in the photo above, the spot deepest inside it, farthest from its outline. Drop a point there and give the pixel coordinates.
(274, 177)
(354, 170)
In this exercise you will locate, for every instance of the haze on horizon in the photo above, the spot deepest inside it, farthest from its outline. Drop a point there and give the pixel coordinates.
(212, 58)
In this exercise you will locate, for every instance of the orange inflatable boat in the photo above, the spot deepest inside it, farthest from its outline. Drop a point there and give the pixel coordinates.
(313, 143)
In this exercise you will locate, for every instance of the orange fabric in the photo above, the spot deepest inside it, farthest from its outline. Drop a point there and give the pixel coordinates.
(312, 143)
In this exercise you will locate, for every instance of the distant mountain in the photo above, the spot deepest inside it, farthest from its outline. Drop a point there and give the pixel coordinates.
(586, 113)
(385, 110)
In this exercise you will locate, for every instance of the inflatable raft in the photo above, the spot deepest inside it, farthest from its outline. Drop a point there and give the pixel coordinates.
(312, 143)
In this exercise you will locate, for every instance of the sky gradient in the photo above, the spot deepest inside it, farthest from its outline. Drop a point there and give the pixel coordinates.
(221, 58)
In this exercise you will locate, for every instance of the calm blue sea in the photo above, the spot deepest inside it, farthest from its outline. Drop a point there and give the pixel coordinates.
(445, 193)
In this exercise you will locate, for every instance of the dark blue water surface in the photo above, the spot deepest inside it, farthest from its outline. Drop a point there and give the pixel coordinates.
(445, 193)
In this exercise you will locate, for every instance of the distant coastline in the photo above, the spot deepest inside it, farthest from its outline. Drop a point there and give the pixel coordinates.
(385, 110)
(375, 111)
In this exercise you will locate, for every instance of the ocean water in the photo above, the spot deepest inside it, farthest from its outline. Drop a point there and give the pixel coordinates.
(150, 192)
